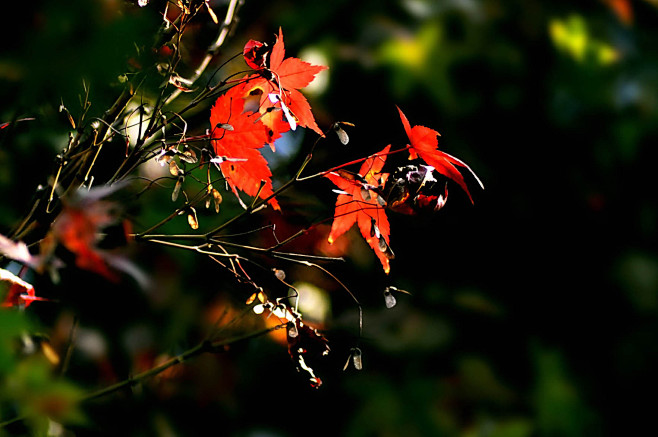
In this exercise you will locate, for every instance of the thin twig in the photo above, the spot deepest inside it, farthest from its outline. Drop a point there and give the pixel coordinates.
(212, 49)
(201, 348)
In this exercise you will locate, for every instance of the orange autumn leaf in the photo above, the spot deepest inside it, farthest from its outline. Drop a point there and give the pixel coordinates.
(622, 9)
(80, 227)
(77, 228)
(237, 136)
(283, 77)
(424, 144)
(271, 116)
(359, 204)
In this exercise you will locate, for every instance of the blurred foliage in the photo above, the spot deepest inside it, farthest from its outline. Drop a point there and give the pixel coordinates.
(532, 313)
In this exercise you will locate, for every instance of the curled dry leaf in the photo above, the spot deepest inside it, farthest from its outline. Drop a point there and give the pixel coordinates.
(305, 345)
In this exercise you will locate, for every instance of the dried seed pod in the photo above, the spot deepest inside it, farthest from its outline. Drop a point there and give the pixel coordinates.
(290, 117)
(217, 198)
(224, 126)
(177, 187)
(251, 299)
(340, 132)
(165, 156)
(192, 218)
(49, 352)
(188, 155)
(174, 169)
(365, 194)
(260, 296)
(385, 248)
(280, 274)
(374, 230)
(389, 299)
(292, 330)
(208, 194)
(356, 358)
(342, 135)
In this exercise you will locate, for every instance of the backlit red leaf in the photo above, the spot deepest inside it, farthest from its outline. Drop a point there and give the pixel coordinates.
(359, 205)
(424, 145)
(284, 77)
(271, 116)
(246, 170)
(292, 73)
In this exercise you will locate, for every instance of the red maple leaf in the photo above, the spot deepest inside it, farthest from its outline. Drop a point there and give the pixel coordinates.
(424, 144)
(358, 203)
(237, 134)
(255, 54)
(271, 116)
(78, 228)
(81, 227)
(19, 293)
(283, 77)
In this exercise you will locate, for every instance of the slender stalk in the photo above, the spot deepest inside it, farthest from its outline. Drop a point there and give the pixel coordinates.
(199, 349)
(356, 161)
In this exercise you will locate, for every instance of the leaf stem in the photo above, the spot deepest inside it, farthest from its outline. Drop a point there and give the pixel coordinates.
(356, 161)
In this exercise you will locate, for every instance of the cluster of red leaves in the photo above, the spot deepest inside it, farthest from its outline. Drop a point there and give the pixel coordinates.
(256, 112)
(360, 200)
